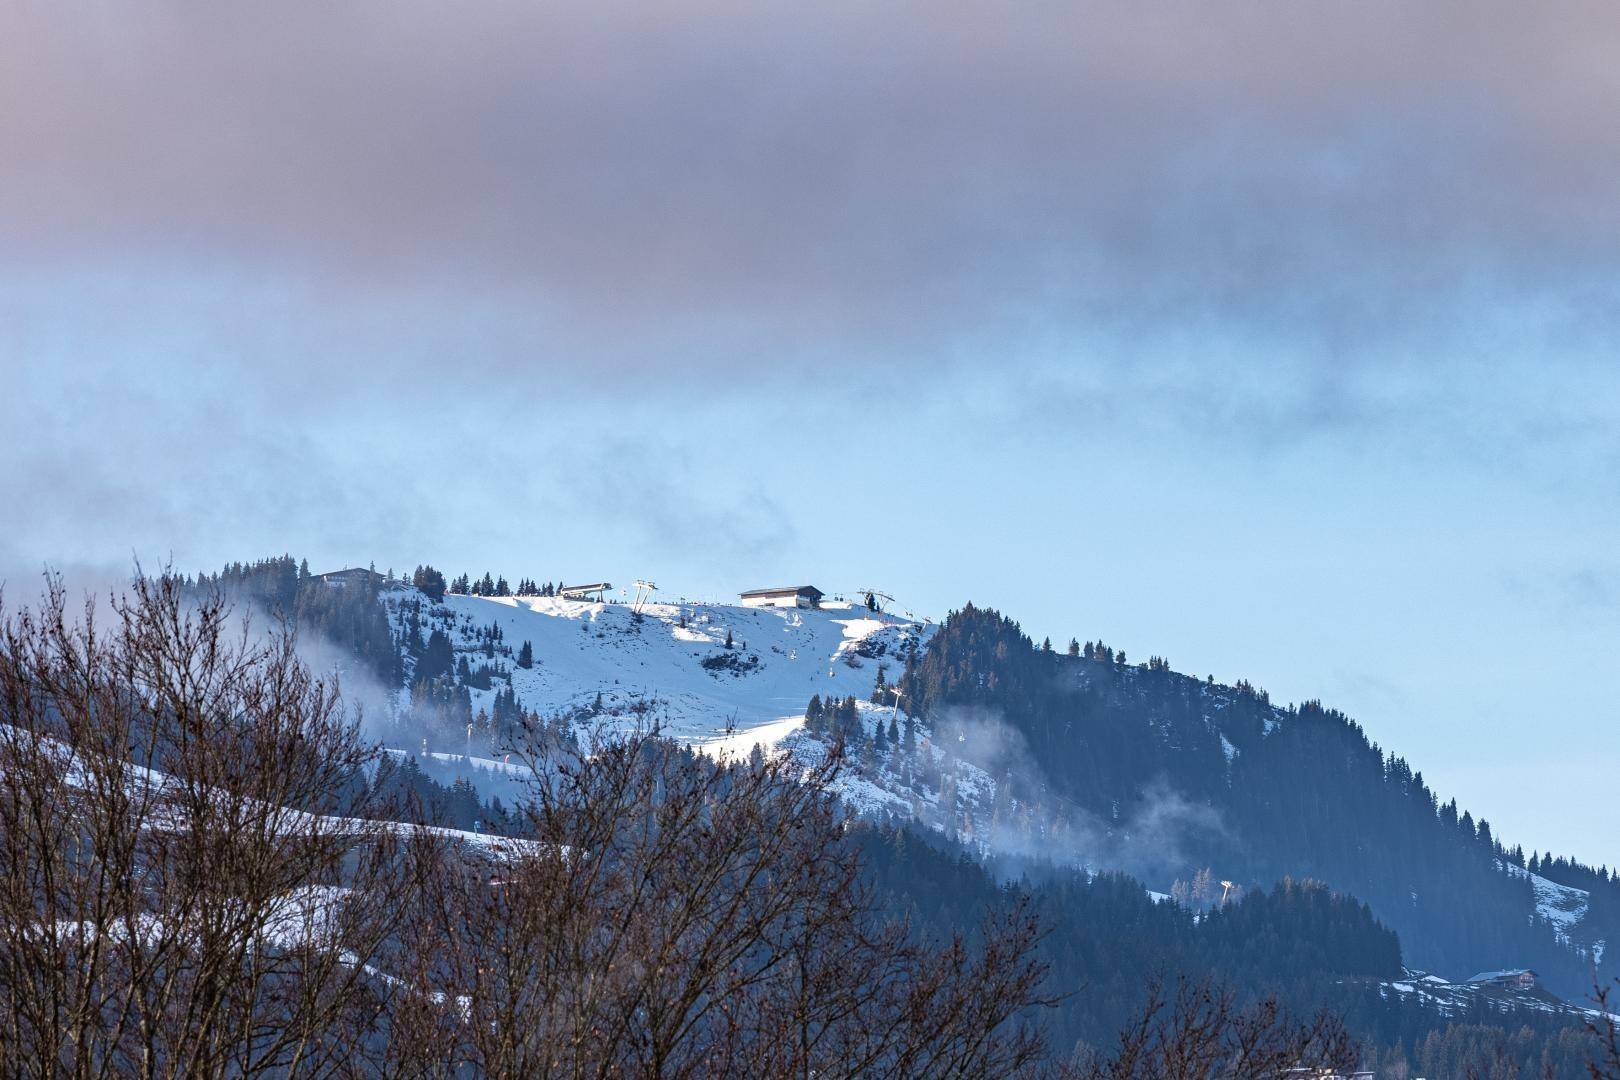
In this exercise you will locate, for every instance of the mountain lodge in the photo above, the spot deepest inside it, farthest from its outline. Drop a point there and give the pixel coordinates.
(805, 596)
(354, 575)
(1512, 979)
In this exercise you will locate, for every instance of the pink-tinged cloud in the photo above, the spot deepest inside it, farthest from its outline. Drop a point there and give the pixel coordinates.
(720, 180)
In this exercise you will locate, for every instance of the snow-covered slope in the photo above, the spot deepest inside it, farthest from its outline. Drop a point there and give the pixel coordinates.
(651, 666)
(1463, 998)
(604, 665)
(1566, 908)
(1562, 905)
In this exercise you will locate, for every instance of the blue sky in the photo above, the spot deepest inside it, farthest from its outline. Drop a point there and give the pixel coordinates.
(1277, 341)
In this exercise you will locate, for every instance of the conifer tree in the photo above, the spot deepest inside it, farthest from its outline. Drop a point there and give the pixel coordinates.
(814, 719)
(430, 582)
(849, 717)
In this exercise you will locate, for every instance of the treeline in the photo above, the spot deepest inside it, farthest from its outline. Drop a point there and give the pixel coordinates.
(433, 584)
(1571, 872)
(1495, 1050)
(489, 585)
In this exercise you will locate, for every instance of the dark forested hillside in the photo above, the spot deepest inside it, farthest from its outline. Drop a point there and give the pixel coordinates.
(1106, 940)
(346, 616)
(1298, 791)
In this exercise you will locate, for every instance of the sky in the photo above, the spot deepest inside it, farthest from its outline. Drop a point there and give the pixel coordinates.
(1279, 340)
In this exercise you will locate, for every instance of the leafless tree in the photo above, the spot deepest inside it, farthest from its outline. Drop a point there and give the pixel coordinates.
(1202, 1032)
(177, 894)
(1606, 1029)
(679, 918)
(187, 889)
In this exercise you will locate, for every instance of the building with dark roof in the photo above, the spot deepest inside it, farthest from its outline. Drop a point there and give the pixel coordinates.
(805, 596)
(1511, 979)
(354, 575)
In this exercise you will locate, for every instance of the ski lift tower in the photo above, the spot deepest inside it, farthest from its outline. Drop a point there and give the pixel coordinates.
(644, 591)
(877, 597)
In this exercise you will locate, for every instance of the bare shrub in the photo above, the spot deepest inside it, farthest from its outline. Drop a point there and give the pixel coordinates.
(681, 919)
(1202, 1032)
(1606, 1029)
(192, 884)
(176, 897)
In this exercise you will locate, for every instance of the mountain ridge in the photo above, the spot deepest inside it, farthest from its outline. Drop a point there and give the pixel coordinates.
(1022, 752)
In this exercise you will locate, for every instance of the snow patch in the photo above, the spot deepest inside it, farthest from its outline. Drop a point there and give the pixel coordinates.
(1562, 905)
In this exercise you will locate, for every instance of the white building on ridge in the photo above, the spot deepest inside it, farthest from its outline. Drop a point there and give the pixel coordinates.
(805, 596)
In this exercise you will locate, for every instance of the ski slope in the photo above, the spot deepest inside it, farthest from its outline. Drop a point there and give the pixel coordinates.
(651, 667)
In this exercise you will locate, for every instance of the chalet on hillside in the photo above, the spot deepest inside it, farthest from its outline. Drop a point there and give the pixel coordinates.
(354, 575)
(805, 596)
(1511, 979)
(597, 590)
